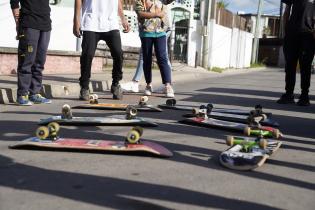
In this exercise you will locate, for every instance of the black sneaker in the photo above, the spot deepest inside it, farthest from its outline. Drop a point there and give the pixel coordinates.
(116, 91)
(84, 94)
(286, 99)
(304, 101)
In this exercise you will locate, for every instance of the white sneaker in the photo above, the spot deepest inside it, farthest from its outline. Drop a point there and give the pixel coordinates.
(131, 87)
(148, 90)
(169, 92)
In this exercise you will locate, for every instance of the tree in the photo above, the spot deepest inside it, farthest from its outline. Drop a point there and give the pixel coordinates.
(223, 4)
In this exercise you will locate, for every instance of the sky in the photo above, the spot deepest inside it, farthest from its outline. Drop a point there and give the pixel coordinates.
(251, 6)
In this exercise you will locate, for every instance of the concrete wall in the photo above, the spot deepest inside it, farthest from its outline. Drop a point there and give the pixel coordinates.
(229, 48)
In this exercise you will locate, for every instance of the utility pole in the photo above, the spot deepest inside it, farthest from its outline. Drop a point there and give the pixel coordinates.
(257, 30)
(205, 32)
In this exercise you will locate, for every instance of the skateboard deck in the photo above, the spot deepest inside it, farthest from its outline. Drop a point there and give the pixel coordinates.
(235, 158)
(172, 104)
(240, 127)
(104, 106)
(236, 118)
(145, 147)
(115, 120)
(141, 106)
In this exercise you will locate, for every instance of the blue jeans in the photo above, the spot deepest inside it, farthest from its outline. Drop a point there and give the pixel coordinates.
(159, 44)
(139, 71)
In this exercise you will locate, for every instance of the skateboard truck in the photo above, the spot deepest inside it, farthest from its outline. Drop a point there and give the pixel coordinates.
(131, 112)
(93, 99)
(200, 113)
(246, 144)
(48, 133)
(133, 136)
(171, 102)
(66, 112)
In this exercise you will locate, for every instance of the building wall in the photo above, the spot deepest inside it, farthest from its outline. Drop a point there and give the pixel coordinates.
(230, 48)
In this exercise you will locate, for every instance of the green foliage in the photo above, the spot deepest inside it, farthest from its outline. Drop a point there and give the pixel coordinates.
(216, 69)
(223, 4)
(257, 65)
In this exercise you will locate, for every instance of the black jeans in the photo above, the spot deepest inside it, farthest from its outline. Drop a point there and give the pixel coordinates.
(32, 50)
(298, 47)
(89, 44)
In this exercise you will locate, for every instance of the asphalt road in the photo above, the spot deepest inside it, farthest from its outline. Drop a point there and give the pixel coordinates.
(191, 179)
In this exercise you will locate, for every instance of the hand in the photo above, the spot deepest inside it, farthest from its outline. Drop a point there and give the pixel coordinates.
(77, 29)
(159, 14)
(125, 26)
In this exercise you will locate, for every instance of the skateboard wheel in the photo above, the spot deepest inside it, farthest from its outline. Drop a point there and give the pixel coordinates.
(195, 111)
(42, 132)
(95, 96)
(230, 140)
(133, 136)
(276, 133)
(66, 108)
(131, 111)
(247, 131)
(258, 107)
(53, 127)
(138, 129)
(92, 99)
(263, 143)
(171, 102)
(144, 99)
(203, 107)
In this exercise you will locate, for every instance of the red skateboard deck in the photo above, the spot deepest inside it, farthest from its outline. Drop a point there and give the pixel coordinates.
(94, 145)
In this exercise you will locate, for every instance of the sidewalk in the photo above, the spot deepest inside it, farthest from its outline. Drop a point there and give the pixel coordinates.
(55, 86)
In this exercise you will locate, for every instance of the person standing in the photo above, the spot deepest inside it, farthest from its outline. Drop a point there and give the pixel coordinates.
(99, 21)
(33, 26)
(133, 85)
(299, 45)
(152, 33)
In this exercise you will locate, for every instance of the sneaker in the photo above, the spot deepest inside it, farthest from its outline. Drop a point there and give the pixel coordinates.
(148, 90)
(116, 90)
(39, 99)
(304, 101)
(286, 99)
(84, 94)
(23, 101)
(169, 92)
(132, 86)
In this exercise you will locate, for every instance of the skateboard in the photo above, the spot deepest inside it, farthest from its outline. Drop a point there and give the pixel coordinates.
(141, 106)
(47, 138)
(247, 153)
(235, 117)
(172, 104)
(66, 118)
(253, 129)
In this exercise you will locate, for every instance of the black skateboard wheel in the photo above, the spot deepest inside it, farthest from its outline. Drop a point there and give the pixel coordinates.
(203, 107)
(133, 137)
(171, 102)
(131, 112)
(42, 132)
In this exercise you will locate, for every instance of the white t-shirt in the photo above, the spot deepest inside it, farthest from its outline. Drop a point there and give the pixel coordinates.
(99, 15)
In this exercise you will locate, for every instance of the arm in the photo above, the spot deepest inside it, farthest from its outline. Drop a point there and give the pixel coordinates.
(15, 6)
(124, 22)
(77, 18)
(286, 16)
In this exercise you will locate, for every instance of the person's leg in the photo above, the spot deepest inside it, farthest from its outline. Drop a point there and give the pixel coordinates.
(139, 70)
(113, 41)
(38, 67)
(306, 58)
(168, 34)
(26, 57)
(291, 52)
(162, 58)
(89, 44)
(146, 45)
